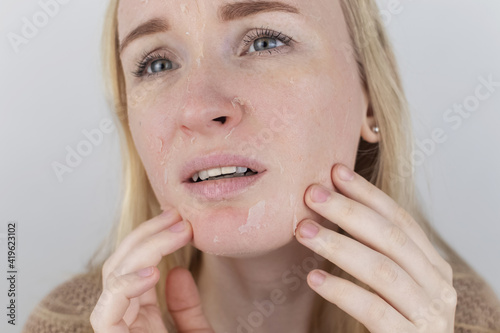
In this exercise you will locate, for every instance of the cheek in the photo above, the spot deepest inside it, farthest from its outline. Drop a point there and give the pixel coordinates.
(326, 127)
(155, 148)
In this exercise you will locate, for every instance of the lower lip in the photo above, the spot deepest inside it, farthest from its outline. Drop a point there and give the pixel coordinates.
(222, 188)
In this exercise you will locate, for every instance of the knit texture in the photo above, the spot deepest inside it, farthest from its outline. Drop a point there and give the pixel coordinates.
(68, 307)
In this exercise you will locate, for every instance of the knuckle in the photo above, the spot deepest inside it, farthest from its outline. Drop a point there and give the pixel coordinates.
(377, 311)
(149, 242)
(348, 209)
(386, 271)
(329, 243)
(412, 289)
(343, 292)
(403, 218)
(449, 296)
(396, 236)
(370, 190)
(116, 284)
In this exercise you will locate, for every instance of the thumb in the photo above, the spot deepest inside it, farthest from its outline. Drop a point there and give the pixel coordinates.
(183, 302)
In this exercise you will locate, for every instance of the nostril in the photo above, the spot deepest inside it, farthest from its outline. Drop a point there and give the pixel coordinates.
(221, 119)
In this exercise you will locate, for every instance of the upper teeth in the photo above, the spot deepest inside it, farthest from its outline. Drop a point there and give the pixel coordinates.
(205, 174)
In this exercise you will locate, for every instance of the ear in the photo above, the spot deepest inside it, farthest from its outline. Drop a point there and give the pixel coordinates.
(369, 122)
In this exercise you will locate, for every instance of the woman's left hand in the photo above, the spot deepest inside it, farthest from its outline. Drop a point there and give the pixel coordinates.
(389, 252)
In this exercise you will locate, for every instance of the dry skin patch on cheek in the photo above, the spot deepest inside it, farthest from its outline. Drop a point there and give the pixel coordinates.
(255, 214)
(152, 145)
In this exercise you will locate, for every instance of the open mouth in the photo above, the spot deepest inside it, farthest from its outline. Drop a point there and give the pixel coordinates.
(222, 173)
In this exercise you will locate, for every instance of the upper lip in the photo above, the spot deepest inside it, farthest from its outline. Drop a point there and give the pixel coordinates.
(218, 160)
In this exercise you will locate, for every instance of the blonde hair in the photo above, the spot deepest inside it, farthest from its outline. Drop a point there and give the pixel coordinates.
(380, 163)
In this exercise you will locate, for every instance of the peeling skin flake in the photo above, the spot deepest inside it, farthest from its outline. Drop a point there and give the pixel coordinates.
(161, 145)
(216, 239)
(282, 170)
(242, 102)
(231, 132)
(255, 214)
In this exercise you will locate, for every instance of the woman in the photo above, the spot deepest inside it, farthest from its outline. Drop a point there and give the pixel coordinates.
(274, 96)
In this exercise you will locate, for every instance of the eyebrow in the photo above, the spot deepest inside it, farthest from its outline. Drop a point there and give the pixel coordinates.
(227, 12)
(148, 28)
(233, 11)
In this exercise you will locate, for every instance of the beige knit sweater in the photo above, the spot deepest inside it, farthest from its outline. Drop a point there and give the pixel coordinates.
(478, 309)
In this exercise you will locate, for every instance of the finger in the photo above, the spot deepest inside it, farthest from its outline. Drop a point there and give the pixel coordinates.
(369, 309)
(114, 301)
(183, 302)
(364, 192)
(376, 232)
(139, 234)
(152, 249)
(376, 270)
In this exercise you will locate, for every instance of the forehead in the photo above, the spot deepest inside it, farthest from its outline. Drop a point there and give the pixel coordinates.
(132, 13)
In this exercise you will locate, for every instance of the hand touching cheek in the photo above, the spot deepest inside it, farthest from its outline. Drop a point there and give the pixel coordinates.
(388, 251)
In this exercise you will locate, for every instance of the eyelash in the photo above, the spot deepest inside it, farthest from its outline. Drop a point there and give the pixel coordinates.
(258, 33)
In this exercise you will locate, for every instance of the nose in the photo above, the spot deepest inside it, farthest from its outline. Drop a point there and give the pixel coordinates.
(208, 108)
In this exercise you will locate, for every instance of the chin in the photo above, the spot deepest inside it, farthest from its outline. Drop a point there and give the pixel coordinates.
(243, 230)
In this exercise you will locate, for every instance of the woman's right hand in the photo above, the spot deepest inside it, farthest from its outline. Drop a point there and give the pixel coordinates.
(128, 302)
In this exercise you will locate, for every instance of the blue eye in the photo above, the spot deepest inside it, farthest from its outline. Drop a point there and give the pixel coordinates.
(264, 43)
(264, 38)
(152, 64)
(158, 66)
(261, 40)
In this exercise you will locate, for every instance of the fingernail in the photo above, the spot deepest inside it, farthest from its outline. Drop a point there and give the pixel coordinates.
(345, 173)
(319, 194)
(178, 227)
(317, 278)
(308, 230)
(145, 272)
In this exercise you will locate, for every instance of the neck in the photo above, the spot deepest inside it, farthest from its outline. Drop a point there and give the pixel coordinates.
(265, 293)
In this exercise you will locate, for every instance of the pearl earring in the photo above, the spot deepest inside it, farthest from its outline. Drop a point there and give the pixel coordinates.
(375, 129)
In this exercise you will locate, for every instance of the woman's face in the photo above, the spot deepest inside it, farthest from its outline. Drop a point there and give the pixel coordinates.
(229, 85)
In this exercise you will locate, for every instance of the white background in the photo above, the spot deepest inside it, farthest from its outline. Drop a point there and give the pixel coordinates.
(51, 90)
